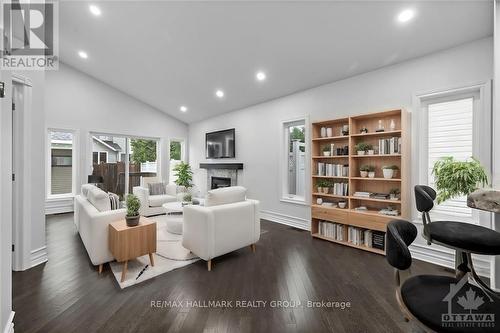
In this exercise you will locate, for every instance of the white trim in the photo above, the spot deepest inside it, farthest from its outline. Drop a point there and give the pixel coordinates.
(441, 256)
(39, 256)
(60, 205)
(283, 160)
(292, 221)
(104, 143)
(9, 326)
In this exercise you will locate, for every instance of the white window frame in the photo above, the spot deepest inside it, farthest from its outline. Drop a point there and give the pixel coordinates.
(74, 164)
(283, 163)
(481, 137)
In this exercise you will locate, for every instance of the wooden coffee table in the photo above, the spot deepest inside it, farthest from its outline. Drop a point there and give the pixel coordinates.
(127, 243)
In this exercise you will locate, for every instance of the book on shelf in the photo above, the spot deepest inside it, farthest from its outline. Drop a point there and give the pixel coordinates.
(389, 146)
(341, 189)
(380, 196)
(332, 170)
(351, 234)
(389, 212)
(362, 194)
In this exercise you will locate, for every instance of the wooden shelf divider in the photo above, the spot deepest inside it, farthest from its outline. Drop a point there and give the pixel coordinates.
(369, 219)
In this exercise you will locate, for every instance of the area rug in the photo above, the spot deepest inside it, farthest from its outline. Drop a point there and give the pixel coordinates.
(170, 255)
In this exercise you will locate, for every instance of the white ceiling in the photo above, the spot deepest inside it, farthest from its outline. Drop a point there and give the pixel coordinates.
(169, 54)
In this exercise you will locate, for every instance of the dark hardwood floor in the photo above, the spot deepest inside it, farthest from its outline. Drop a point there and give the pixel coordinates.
(67, 295)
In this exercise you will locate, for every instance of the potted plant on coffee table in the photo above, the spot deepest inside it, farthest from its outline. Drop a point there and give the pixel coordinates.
(133, 205)
(389, 171)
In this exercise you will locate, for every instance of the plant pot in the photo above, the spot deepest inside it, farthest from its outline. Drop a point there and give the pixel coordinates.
(371, 152)
(363, 173)
(342, 204)
(319, 201)
(326, 153)
(320, 189)
(371, 174)
(388, 173)
(132, 221)
(361, 152)
(325, 190)
(393, 196)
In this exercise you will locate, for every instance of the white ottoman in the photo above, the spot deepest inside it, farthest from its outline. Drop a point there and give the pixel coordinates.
(174, 223)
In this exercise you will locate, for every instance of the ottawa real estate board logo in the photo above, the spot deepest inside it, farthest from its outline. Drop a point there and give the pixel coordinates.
(469, 307)
(30, 38)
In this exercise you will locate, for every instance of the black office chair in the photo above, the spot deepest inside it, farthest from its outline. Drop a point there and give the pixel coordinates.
(464, 238)
(435, 302)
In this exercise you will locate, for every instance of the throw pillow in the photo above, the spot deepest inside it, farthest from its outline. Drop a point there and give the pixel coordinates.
(156, 188)
(114, 200)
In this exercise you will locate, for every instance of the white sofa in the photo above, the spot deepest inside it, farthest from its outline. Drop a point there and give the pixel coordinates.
(152, 204)
(92, 216)
(227, 222)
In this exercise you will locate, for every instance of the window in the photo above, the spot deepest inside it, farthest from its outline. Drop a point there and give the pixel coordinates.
(61, 170)
(293, 169)
(450, 134)
(122, 161)
(454, 123)
(176, 156)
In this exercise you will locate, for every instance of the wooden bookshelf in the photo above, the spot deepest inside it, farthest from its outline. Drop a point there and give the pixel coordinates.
(371, 218)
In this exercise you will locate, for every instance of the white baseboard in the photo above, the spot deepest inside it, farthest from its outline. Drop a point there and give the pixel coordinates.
(9, 326)
(443, 257)
(292, 221)
(58, 206)
(38, 256)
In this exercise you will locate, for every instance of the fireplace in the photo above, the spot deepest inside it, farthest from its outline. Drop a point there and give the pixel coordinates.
(218, 182)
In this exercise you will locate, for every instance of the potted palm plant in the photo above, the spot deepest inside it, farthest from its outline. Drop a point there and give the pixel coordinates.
(184, 176)
(133, 205)
(456, 178)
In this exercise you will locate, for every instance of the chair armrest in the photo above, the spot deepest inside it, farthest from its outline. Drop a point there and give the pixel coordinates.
(142, 194)
(198, 229)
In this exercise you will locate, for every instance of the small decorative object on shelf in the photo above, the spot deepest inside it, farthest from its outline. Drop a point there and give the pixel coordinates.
(345, 130)
(133, 205)
(319, 201)
(342, 204)
(323, 132)
(389, 171)
(392, 126)
(394, 193)
(326, 151)
(363, 130)
(363, 147)
(380, 127)
(367, 170)
(329, 132)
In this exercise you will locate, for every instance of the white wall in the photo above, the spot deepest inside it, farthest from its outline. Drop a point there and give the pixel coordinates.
(79, 102)
(258, 127)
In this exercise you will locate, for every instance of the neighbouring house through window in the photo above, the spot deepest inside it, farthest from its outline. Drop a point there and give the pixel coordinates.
(293, 180)
(61, 163)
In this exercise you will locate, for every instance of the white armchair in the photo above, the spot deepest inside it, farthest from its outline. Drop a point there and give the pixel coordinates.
(152, 204)
(226, 223)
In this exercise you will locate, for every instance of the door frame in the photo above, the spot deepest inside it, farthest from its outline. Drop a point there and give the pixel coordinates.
(21, 226)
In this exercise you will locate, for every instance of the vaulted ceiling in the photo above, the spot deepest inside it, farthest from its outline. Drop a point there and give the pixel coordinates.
(173, 54)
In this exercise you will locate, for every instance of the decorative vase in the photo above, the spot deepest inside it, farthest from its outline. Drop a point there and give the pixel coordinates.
(342, 204)
(361, 152)
(345, 130)
(132, 221)
(323, 132)
(319, 201)
(329, 132)
(363, 173)
(388, 173)
(371, 174)
(371, 152)
(392, 125)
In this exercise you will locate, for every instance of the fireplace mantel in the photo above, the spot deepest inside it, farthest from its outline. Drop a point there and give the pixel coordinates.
(227, 166)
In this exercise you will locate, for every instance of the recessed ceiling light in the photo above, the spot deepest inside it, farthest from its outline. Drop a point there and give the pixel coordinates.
(183, 108)
(406, 15)
(83, 54)
(95, 10)
(219, 93)
(261, 76)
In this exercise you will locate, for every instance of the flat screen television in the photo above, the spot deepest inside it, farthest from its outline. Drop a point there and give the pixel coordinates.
(220, 144)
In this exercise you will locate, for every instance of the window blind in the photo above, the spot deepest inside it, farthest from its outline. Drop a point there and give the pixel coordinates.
(450, 126)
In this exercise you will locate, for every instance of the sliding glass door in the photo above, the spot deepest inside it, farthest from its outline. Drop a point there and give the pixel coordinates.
(121, 161)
